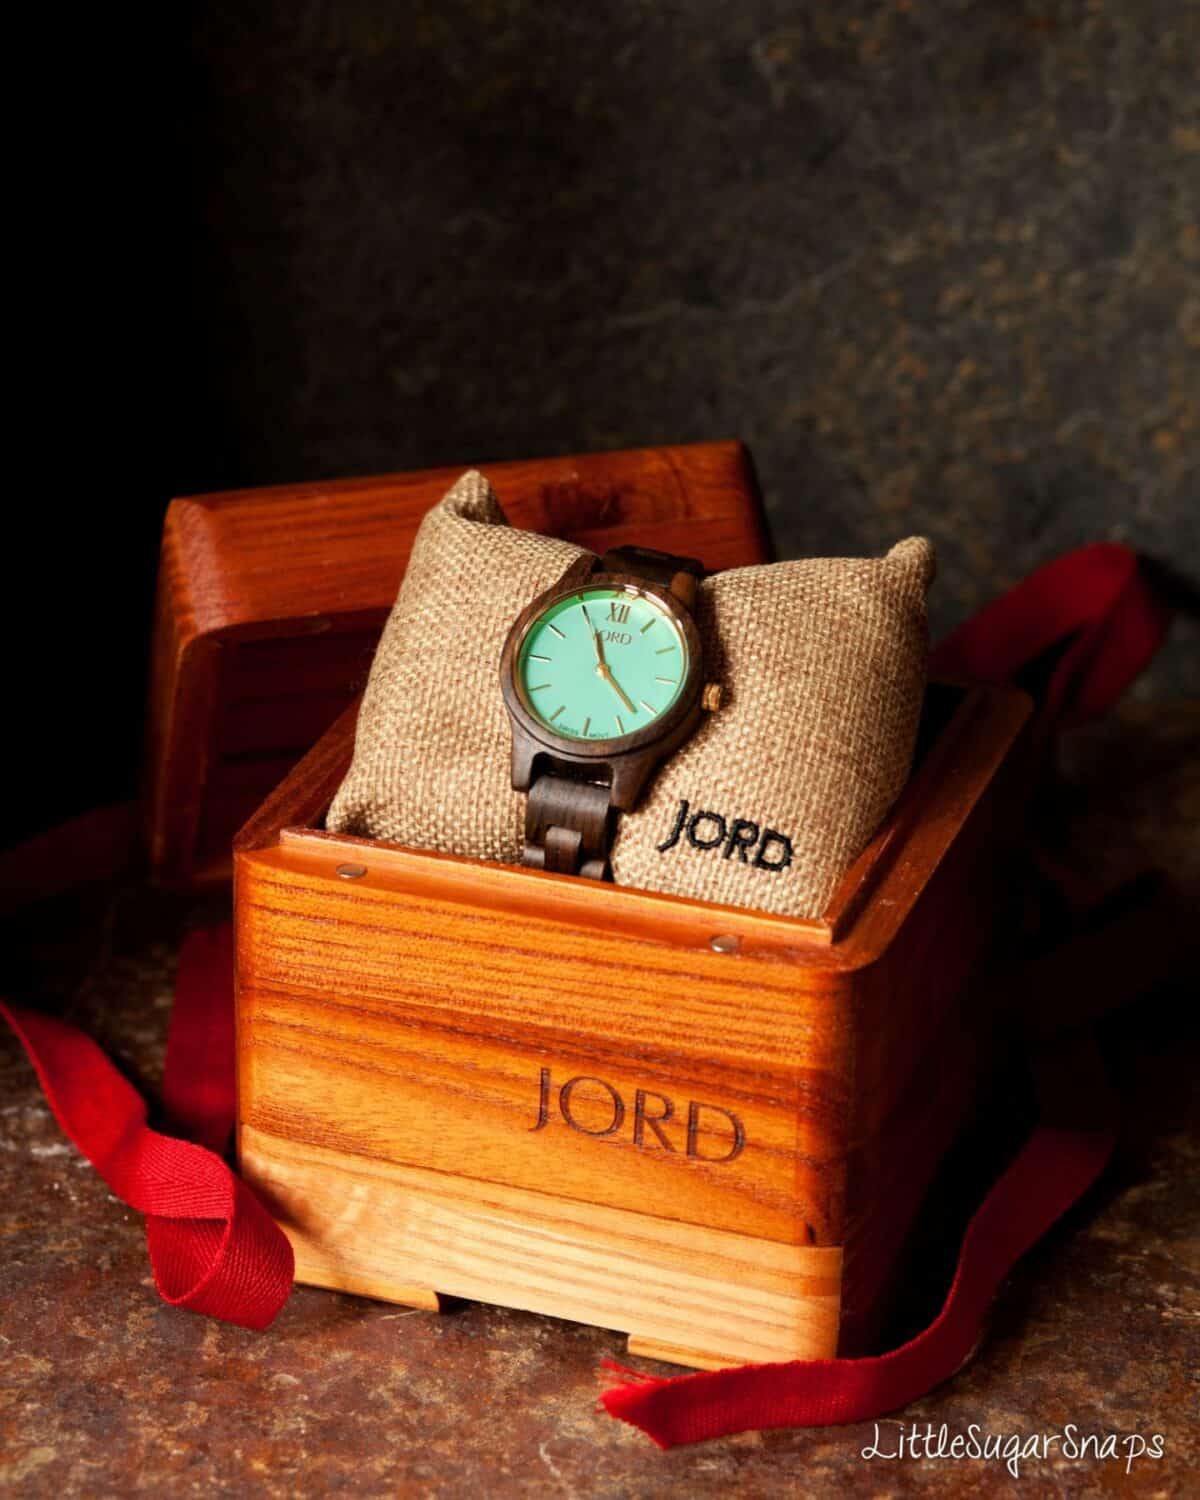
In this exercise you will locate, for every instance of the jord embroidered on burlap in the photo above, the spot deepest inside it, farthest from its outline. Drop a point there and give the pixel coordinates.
(754, 845)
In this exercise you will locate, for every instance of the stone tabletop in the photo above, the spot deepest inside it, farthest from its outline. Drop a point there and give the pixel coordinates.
(105, 1390)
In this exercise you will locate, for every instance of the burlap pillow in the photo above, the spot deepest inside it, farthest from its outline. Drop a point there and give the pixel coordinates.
(823, 666)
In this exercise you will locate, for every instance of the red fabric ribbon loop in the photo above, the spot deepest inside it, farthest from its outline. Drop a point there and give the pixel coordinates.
(1049, 1174)
(213, 1247)
(1097, 603)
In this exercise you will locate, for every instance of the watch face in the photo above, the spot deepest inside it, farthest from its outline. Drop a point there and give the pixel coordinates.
(602, 663)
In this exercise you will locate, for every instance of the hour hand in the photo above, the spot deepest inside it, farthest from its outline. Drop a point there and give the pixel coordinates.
(618, 689)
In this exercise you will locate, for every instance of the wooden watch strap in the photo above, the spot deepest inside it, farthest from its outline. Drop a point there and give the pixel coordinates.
(568, 826)
(645, 562)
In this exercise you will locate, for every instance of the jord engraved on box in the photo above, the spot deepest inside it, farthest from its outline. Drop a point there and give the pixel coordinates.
(652, 1112)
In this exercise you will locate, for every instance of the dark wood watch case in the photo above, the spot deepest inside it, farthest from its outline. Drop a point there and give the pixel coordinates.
(630, 759)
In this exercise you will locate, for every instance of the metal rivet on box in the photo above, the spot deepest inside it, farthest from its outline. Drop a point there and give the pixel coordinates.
(725, 943)
(352, 872)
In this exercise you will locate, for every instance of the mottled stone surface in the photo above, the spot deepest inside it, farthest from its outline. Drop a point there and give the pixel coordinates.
(938, 263)
(104, 1390)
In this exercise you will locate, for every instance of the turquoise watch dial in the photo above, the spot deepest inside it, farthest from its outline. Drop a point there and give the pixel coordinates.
(602, 663)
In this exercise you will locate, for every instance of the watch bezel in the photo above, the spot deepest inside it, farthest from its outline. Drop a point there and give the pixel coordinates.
(567, 747)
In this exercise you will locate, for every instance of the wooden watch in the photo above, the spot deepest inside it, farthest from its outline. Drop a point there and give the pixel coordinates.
(603, 677)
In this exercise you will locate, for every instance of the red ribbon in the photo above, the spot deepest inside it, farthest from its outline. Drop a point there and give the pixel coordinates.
(1047, 1176)
(1096, 604)
(216, 1250)
(213, 1247)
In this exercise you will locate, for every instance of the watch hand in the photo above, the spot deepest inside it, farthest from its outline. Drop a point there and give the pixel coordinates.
(606, 673)
(602, 667)
(597, 644)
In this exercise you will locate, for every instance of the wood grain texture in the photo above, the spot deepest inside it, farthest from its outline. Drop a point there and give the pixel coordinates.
(425, 1016)
(429, 1048)
(270, 603)
(364, 1225)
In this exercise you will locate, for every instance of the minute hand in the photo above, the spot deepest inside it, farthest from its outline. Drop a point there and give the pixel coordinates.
(597, 644)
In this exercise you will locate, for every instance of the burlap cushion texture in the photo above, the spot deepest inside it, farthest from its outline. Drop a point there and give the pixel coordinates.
(822, 663)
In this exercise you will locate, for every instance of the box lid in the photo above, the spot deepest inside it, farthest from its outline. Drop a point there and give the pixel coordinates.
(270, 603)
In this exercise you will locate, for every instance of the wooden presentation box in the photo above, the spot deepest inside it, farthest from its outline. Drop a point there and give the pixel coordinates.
(705, 1127)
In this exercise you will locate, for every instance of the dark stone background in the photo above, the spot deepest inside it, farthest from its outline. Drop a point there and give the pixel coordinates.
(939, 264)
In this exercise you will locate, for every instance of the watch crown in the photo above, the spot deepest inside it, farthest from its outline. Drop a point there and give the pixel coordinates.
(712, 697)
